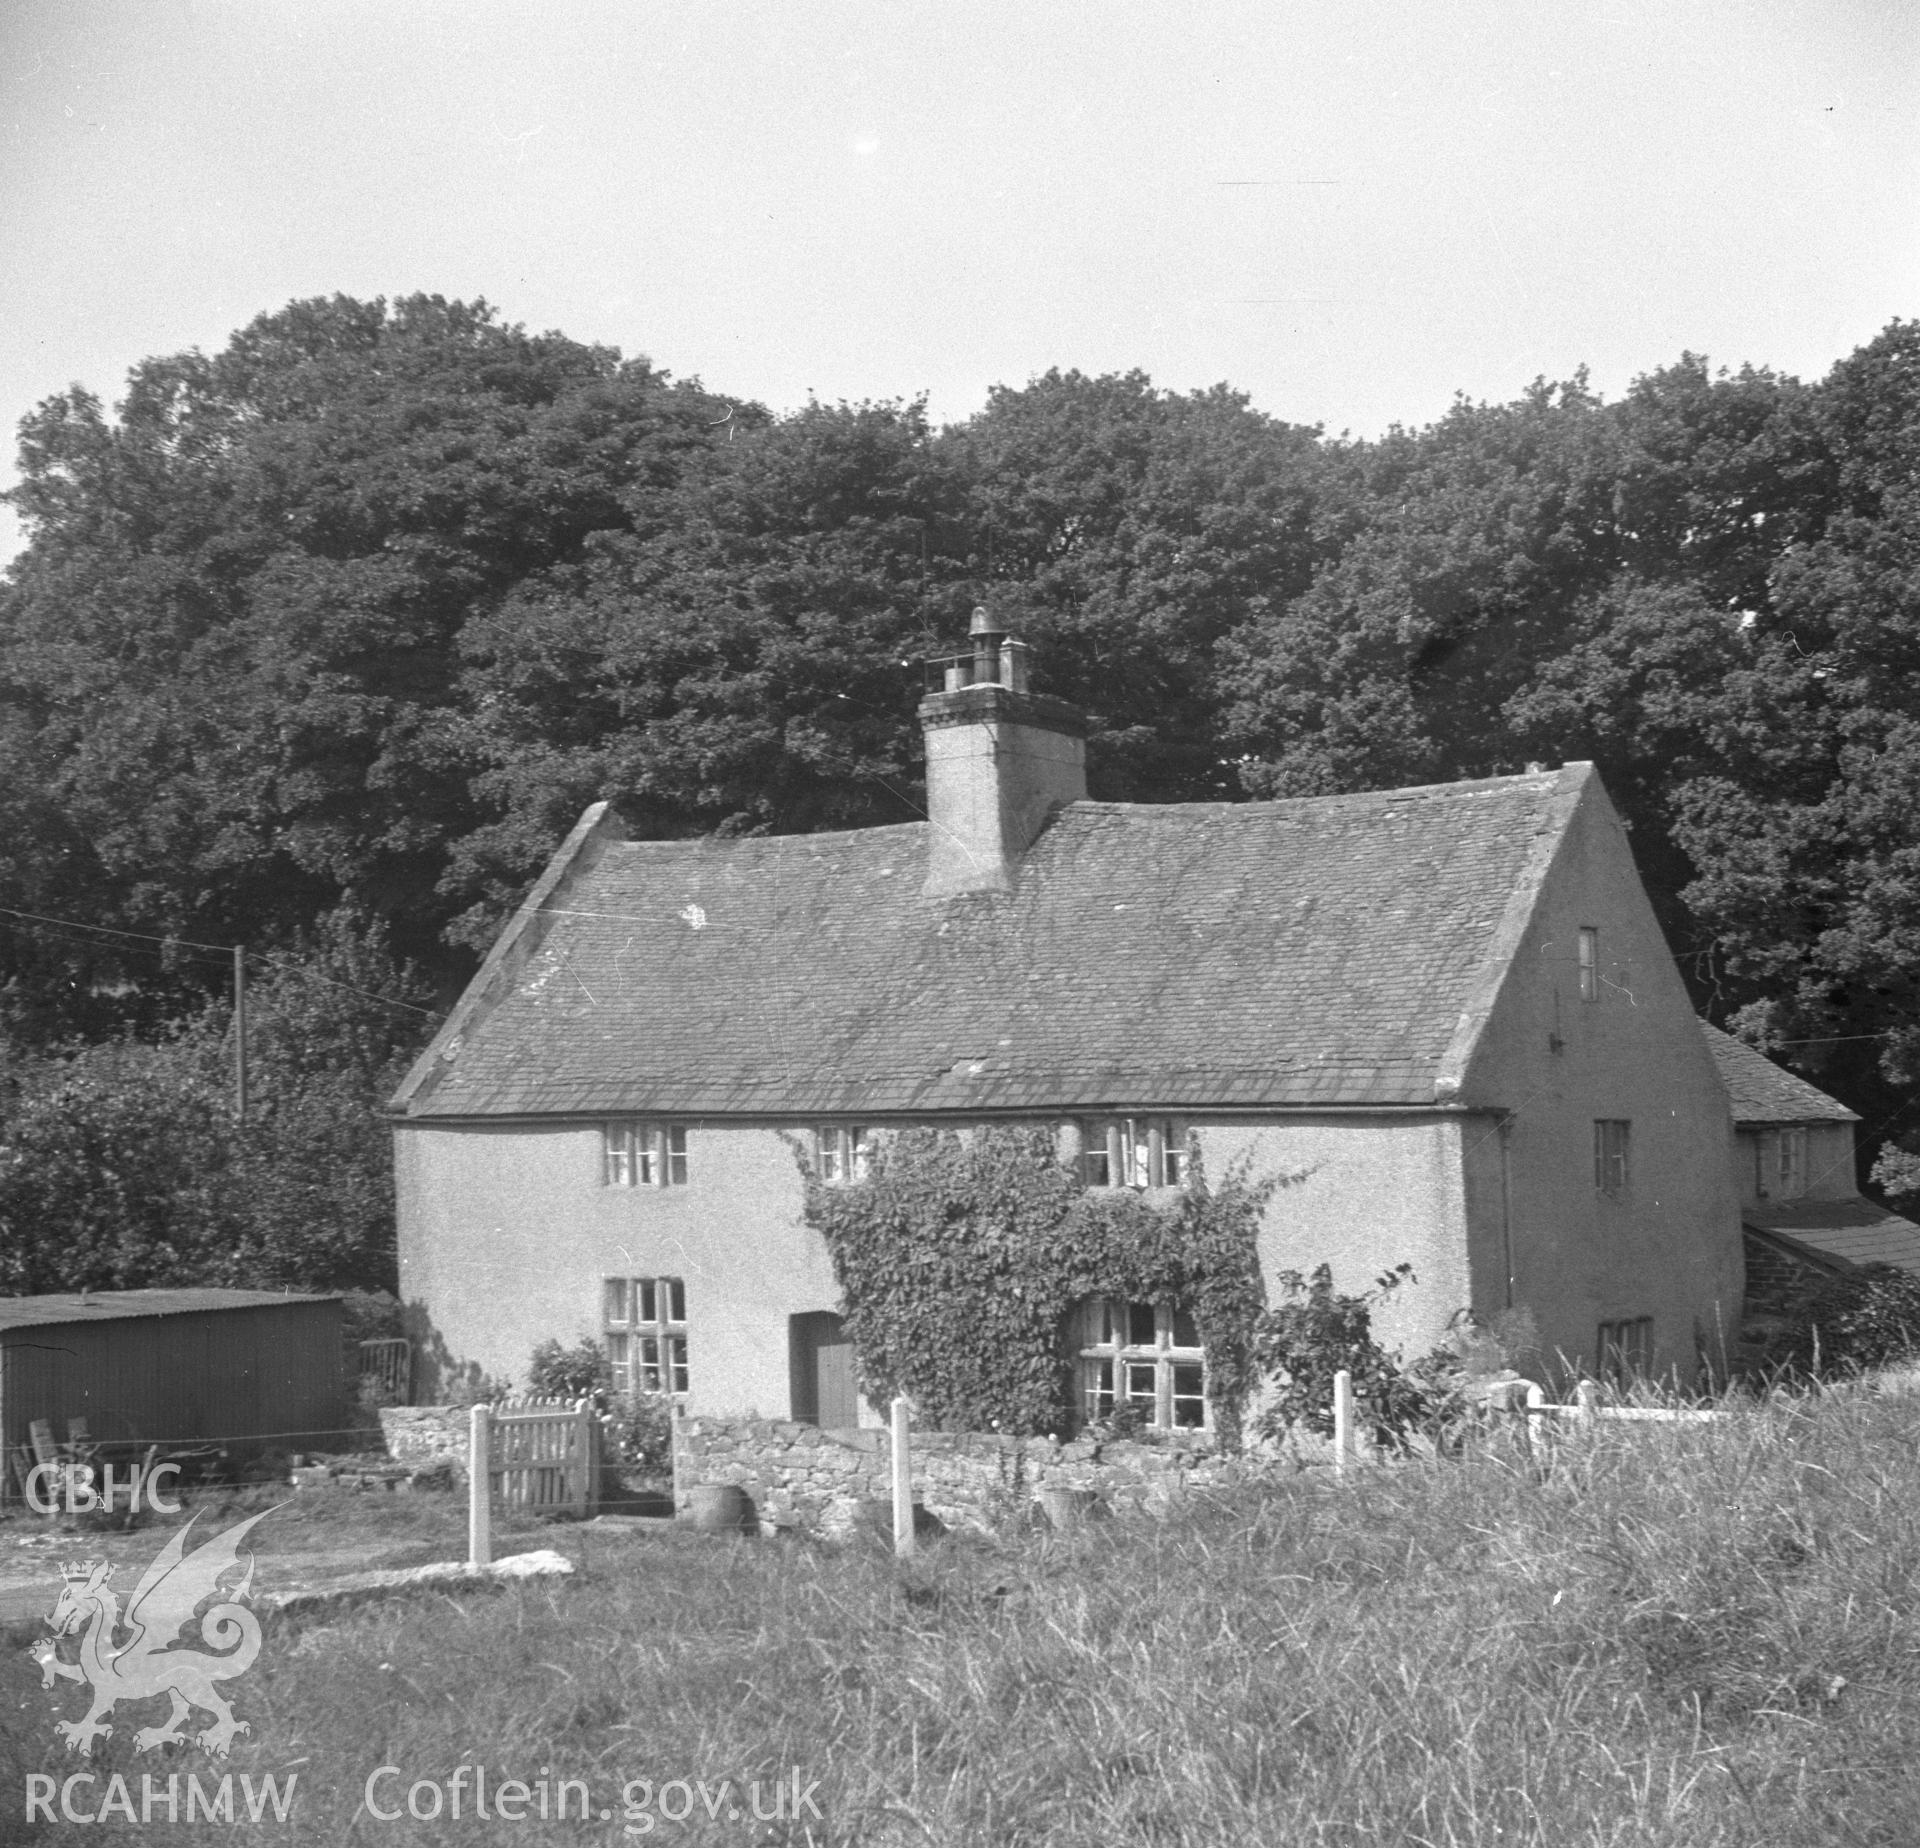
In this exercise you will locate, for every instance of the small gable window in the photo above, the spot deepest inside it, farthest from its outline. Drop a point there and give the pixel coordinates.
(1610, 1171)
(842, 1154)
(1142, 1359)
(1782, 1164)
(644, 1155)
(1132, 1152)
(645, 1326)
(1626, 1350)
(1589, 963)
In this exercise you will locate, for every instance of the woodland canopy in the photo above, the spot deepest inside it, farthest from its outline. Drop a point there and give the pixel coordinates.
(319, 643)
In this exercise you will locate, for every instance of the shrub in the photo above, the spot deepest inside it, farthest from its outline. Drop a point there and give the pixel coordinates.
(1303, 1342)
(578, 1372)
(1863, 1318)
(640, 1431)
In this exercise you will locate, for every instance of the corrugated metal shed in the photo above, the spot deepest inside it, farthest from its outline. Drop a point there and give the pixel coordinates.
(247, 1368)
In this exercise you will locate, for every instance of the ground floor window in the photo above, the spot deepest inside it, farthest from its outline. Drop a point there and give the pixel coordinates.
(1626, 1350)
(646, 1333)
(1142, 1357)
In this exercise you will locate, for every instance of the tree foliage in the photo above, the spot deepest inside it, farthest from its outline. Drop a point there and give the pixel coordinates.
(363, 608)
(122, 1165)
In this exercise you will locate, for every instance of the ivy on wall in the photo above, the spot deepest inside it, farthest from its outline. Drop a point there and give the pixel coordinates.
(961, 1257)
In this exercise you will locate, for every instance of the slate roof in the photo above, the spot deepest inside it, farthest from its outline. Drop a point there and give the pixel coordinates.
(1267, 953)
(1764, 1092)
(123, 1305)
(1853, 1230)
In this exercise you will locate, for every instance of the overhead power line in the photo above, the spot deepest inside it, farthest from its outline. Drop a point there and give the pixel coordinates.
(220, 952)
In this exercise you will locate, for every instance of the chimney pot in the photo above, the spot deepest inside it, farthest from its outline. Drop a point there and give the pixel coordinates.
(1000, 760)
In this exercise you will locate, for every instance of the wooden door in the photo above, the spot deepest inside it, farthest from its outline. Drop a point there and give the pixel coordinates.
(825, 1391)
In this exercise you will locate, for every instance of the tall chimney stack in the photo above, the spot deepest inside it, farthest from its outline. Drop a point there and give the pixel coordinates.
(1000, 760)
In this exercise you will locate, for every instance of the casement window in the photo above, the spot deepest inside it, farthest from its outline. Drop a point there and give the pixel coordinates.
(842, 1154)
(1132, 1152)
(1146, 1356)
(1610, 1172)
(646, 1333)
(1589, 963)
(644, 1155)
(1625, 1350)
(1780, 1161)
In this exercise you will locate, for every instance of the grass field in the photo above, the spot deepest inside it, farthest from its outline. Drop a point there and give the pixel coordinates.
(1671, 1635)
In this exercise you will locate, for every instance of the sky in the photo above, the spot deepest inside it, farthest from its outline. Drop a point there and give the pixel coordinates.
(1352, 212)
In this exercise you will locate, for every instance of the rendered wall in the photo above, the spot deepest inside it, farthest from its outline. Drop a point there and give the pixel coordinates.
(506, 1233)
(1362, 1194)
(1669, 1246)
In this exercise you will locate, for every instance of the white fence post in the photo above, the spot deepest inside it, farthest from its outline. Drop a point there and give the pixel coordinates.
(1342, 1421)
(1534, 1416)
(902, 1480)
(479, 1491)
(1586, 1399)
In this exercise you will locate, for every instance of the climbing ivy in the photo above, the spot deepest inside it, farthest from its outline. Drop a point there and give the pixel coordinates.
(962, 1255)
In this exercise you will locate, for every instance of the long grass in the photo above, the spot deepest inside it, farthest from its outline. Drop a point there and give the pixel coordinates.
(1702, 1636)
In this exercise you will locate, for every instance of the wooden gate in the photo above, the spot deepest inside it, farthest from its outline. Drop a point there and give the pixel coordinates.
(541, 1454)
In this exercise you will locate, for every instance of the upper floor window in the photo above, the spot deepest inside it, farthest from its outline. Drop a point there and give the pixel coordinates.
(842, 1154)
(1133, 1152)
(1781, 1164)
(644, 1155)
(1141, 1357)
(1589, 963)
(1610, 1155)
(645, 1326)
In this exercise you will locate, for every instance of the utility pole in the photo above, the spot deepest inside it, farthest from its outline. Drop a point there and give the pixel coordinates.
(239, 1034)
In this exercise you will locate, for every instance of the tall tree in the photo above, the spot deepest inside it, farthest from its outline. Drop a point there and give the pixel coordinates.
(232, 647)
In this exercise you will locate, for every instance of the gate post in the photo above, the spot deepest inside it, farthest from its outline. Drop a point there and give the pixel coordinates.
(479, 1490)
(1342, 1421)
(902, 1481)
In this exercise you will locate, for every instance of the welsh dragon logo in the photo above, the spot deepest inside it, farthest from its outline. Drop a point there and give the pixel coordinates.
(145, 1665)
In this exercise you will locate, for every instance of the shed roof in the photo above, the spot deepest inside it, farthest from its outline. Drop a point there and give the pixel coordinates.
(1300, 952)
(127, 1305)
(1853, 1230)
(1763, 1092)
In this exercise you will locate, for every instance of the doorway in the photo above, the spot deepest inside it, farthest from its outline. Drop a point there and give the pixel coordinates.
(825, 1391)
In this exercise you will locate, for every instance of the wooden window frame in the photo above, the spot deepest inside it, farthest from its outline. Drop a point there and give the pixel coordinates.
(636, 1153)
(842, 1153)
(1145, 1152)
(1623, 1351)
(644, 1327)
(1589, 961)
(1612, 1155)
(1113, 1351)
(1781, 1163)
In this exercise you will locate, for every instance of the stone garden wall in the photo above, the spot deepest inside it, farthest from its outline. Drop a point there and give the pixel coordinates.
(802, 1477)
(424, 1435)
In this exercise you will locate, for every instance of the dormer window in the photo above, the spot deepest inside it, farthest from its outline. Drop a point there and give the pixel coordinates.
(643, 1155)
(1132, 1152)
(1781, 1164)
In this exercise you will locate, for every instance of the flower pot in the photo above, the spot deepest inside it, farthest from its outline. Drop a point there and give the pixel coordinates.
(721, 1508)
